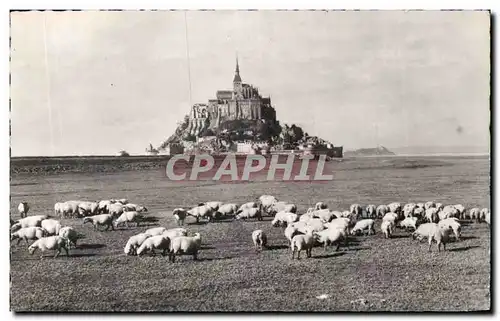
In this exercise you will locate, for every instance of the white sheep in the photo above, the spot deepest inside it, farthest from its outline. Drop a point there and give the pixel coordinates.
(185, 245)
(371, 211)
(441, 235)
(302, 242)
(306, 217)
(382, 210)
(266, 201)
(23, 209)
(292, 230)
(250, 213)
(134, 242)
(365, 224)
(30, 221)
(474, 213)
(390, 217)
(395, 207)
(227, 210)
(116, 209)
(419, 212)
(449, 211)
(49, 243)
(70, 208)
(429, 204)
(453, 224)
(104, 206)
(259, 239)
(281, 207)
(175, 232)
(155, 231)
(409, 222)
(421, 205)
(128, 217)
(342, 223)
(247, 205)
(122, 201)
(487, 218)
(387, 228)
(461, 210)
(356, 209)
(284, 219)
(214, 205)
(179, 215)
(59, 209)
(409, 209)
(431, 215)
(330, 236)
(28, 233)
(51, 226)
(483, 214)
(423, 231)
(134, 208)
(152, 243)
(100, 220)
(439, 206)
(324, 215)
(315, 225)
(88, 208)
(202, 211)
(70, 235)
(320, 206)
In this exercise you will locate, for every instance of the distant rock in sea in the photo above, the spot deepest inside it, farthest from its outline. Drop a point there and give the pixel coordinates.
(377, 151)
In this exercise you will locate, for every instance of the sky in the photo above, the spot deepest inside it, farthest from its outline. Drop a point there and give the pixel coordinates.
(97, 82)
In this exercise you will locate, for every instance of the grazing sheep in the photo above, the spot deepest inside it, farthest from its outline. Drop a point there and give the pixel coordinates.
(214, 205)
(59, 209)
(51, 226)
(250, 213)
(315, 225)
(116, 209)
(423, 231)
(30, 221)
(70, 208)
(185, 245)
(281, 207)
(70, 235)
(474, 213)
(28, 233)
(320, 206)
(175, 232)
(23, 209)
(88, 208)
(356, 209)
(421, 205)
(49, 243)
(342, 223)
(134, 242)
(429, 204)
(365, 224)
(104, 206)
(482, 215)
(227, 210)
(329, 236)
(179, 215)
(409, 222)
(310, 210)
(324, 215)
(134, 208)
(266, 201)
(487, 217)
(284, 219)
(150, 244)
(453, 224)
(390, 217)
(449, 211)
(419, 212)
(441, 235)
(155, 231)
(122, 201)
(439, 206)
(409, 209)
(382, 210)
(247, 205)
(387, 228)
(302, 242)
(371, 211)
(306, 217)
(101, 219)
(395, 207)
(259, 239)
(202, 211)
(292, 230)
(431, 215)
(127, 217)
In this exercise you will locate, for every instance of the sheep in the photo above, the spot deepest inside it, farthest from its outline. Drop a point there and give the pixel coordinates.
(310, 210)
(101, 219)
(474, 213)
(266, 201)
(155, 231)
(439, 206)
(281, 207)
(302, 242)
(395, 207)
(88, 208)
(330, 236)
(346, 214)
(23, 209)
(292, 230)
(49, 243)
(70, 235)
(409, 222)
(198, 212)
(175, 232)
(51, 226)
(342, 223)
(482, 215)
(70, 208)
(390, 217)
(453, 224)
(409, 209)
(122, 201)
(179, 215)
(134, 208)
(431, 215)
(59, 209)
(134, 242)
(320, 206)
(423, 231)
(421, 205)
(104, 206)
(306, 217)
(284, 218)
(250, 213)
(116, 209)
(185, 245)
(356, 209)
(158, 242)
(227, 210)
(371, 211)
(387, 228)
(487, 217)
(449, 211)
(127, 217)
(365, 224)
(382, 210)
(214, 205)
(30, 221)
(259, 239)
(324, 215)
(247, 205)
(429, 204)
(28, 233)
(419, 212)
(315, 225)
(440, 234)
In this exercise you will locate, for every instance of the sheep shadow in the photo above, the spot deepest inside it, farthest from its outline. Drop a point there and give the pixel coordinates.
(80, 255)
(468, 237)
(209, 259)
(325, 256)
(355, 249)
(150, 219)
(207, 247)
(85, 246)
(277, 247)
(400, 236)
(464, 248)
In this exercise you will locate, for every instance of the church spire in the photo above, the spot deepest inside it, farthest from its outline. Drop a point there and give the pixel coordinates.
(237, 77)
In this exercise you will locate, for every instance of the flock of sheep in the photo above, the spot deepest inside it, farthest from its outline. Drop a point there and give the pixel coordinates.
(319, 225)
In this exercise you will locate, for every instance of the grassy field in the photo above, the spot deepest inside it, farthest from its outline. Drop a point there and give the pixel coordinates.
(372, 274)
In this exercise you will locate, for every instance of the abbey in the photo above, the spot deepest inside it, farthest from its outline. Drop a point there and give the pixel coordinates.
(243, 102)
